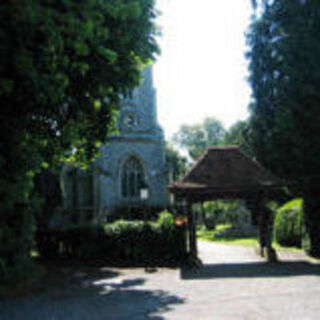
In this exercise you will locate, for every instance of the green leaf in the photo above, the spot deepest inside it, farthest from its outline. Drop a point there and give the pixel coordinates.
(81, 48)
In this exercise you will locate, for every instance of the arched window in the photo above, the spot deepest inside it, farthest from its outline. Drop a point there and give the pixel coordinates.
(132, 178)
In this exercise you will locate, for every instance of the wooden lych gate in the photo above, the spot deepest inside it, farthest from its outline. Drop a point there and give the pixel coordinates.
(228, 173)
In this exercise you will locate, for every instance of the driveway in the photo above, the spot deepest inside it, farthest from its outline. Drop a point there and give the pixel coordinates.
(234, 283)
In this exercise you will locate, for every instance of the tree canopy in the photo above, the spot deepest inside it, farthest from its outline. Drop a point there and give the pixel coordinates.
(175, 162)
(195, 139)
(64, 67)
(284, 40)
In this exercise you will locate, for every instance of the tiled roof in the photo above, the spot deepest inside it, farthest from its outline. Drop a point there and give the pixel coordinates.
(226, 169)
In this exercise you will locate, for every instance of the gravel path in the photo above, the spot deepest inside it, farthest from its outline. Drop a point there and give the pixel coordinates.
(234, 283)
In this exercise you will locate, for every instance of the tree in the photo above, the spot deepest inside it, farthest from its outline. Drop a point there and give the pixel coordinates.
(63, 67)
(239, 134)
(196, 138)
(285, 116)
(175, 162)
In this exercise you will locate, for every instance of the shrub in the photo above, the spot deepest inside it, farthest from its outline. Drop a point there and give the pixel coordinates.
(119, 243)
(288, 223)
(226, 211)
(166, 218)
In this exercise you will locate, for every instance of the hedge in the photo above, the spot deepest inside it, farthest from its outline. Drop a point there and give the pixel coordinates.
(288, 224)
(122, 243)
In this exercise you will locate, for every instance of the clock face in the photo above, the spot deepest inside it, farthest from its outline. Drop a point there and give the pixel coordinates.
(130, 120)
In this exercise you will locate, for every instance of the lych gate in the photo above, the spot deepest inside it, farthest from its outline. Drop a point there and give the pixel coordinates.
(227, 173)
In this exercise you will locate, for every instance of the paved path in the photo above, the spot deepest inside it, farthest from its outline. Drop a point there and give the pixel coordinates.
(233, 284)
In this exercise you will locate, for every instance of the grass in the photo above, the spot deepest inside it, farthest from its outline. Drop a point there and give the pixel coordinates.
(278, 246)
(239, 241)
(210, 235)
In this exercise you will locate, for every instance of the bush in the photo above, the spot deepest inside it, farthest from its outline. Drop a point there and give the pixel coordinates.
(136, 213)
(122, 242)
(224, 212)
(288, 224)
(166, 218)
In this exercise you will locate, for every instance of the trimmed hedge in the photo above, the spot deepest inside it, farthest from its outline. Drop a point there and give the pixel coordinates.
(123, 243)
(288, 224)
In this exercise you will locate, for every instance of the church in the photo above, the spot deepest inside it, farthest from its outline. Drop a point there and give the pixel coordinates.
(131, 174)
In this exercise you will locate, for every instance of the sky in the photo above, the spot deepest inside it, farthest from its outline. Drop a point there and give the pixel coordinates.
(202, 70)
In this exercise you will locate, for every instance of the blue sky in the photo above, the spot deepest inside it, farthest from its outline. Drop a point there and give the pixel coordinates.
(202, 70)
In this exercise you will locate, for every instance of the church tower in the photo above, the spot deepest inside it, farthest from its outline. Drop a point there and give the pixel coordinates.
(135, 158)
(132, 160)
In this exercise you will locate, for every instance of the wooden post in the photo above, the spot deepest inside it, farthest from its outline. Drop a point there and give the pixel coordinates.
(265, 224)
(271, 252)
(262, 231)
(192, 231)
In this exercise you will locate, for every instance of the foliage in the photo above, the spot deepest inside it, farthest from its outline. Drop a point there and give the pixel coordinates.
(196, 138)
(285, 116)
(64, 66)
(211, 235)
(166, 218)
(224, 212)
(210, 217)
(118, 243)
(175, 163)
(239, 134)
(215, 212)
(288, 223)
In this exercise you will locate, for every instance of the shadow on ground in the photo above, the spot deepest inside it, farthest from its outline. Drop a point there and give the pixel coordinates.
(92, 294)
(251, 270)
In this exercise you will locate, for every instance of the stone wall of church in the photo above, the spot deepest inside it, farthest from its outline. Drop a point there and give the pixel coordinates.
(151, 155)
(140, 137)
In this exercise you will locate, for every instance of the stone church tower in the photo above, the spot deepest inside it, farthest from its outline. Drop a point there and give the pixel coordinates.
(132, 160)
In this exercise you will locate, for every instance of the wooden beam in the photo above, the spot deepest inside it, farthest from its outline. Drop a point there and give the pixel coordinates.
(191, 231)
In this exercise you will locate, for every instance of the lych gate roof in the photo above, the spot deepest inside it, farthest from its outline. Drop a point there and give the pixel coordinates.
(225, 171)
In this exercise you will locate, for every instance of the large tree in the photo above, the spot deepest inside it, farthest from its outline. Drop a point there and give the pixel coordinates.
(284, 40)
(239, 134)
(196, 138)
(64, 64)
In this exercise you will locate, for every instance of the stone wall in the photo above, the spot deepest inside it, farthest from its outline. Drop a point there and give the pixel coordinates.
(151, 155)
(142, 138)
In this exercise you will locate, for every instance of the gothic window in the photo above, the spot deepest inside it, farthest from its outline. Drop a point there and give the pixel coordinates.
(132, 178)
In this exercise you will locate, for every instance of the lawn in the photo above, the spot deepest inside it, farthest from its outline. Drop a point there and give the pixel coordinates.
(210, 235)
